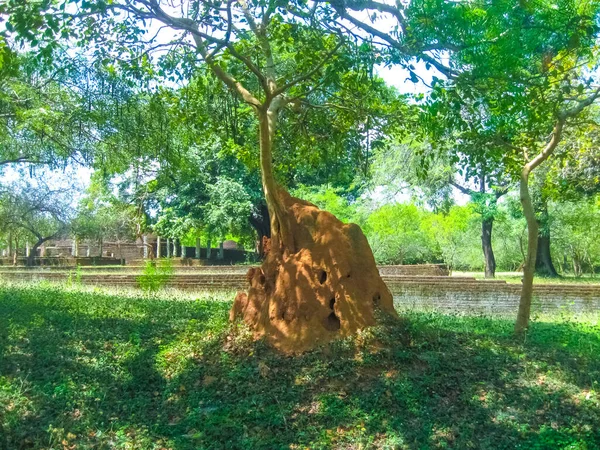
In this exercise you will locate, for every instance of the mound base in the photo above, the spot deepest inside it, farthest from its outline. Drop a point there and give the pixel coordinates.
(330, 288)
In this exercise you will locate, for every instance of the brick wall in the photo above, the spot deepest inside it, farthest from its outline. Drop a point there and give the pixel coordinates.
(435, 270)
(489, 297)
(445, 294)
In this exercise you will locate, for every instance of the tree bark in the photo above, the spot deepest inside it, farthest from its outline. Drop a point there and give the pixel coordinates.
(262, 224)
(529, 266)
(543, 262)
(34, 249)
(281, 237)
(532, 223)
(486, 245)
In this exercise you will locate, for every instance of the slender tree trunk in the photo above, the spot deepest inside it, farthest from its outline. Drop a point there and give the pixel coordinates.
(543, 263)
(486, 245)
(16, 257)
(529, 266)
(281, 238)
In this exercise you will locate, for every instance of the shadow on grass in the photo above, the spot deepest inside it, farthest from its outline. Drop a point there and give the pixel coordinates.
(99, 371)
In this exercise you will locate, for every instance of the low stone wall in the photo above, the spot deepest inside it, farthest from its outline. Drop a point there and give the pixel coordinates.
(178, 281)
(230, 257)
(494, 298)
(61, 261)
(432, 270)
(446, 294)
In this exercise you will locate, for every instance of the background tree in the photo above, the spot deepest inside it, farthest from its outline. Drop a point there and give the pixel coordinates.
(37, 208)
(525, 66)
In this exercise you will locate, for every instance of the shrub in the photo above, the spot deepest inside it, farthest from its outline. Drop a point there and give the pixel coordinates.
(155, 275)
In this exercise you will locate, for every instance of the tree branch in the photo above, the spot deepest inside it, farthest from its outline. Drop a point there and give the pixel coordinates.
(462, 189)
(309, 74)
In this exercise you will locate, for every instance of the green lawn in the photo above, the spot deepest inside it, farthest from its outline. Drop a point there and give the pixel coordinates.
(82, 368)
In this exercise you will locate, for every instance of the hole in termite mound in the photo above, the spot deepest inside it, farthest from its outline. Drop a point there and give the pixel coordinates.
(322, 277)
(332, 323)
(331, 303)
(376, 299)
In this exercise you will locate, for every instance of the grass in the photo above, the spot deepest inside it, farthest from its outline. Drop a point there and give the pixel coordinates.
(85, 368)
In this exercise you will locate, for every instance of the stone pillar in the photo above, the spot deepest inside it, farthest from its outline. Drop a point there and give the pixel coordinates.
(42, 250)
(197, 248)
(221, 253)
(158, 255)
(145, 244)
(168, 248)
(27, 249)
(75, 249)
(175, 247)
(182, 250)
(208, 250)
(88, 251)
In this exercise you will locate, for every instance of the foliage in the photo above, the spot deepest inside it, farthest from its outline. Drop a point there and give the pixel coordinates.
(227, 209)
(46, 116)
(142, 373)
(74, 278)
(576, 232)
(155, 275)
(396, 235)
(456, 234)
(575, 174)
(101, 216)
(39, 210)
(330, 199)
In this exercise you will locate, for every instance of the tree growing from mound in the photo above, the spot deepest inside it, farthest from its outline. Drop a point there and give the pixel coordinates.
(319, 280)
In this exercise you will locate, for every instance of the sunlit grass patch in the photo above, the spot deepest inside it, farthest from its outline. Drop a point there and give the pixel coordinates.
(95, 368)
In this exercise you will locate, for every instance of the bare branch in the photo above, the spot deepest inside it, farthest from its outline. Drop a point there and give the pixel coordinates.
(462, 189)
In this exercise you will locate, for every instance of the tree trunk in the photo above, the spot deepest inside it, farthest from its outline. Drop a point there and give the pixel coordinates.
(262, 224)
(33, 251)
(486, 245)
(281, 238)
(543, 262)
(529, 266)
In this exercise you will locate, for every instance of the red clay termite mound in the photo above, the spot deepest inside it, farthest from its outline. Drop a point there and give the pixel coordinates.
(330, 288)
